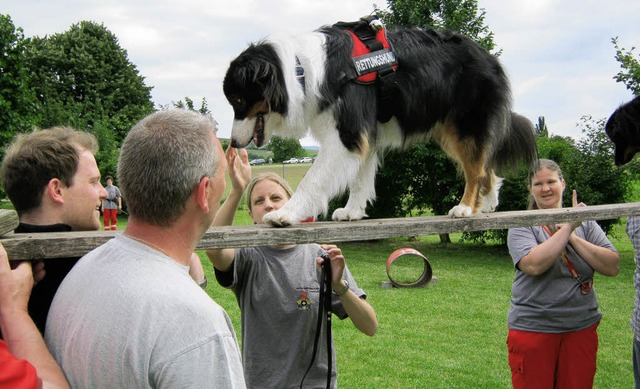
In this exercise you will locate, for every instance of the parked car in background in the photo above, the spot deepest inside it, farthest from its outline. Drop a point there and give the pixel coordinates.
(291, 160)
(306, 160)
(258, 161)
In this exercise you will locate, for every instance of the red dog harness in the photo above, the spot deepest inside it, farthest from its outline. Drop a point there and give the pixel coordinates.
(374, 60)
(373, 57)
(369, 61)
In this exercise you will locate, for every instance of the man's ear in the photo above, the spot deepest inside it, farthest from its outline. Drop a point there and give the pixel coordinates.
(55, 190)
(201, 193)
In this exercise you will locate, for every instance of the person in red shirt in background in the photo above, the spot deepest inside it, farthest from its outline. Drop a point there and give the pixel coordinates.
(25, 361)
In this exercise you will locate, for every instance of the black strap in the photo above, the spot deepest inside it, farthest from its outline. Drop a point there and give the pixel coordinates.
(363, 31)
(324, 306)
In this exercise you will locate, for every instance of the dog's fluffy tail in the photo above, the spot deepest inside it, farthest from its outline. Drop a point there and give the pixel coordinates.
(518, 146)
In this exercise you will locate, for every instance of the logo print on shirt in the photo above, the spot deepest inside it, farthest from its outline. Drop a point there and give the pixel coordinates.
(304, 302)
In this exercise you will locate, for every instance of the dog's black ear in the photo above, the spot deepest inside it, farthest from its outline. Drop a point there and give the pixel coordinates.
(274, 89)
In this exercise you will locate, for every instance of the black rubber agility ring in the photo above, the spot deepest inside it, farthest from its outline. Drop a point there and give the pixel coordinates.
(424, 279)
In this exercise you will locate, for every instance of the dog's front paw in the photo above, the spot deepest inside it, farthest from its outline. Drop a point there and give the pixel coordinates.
(461, 210)
(279, 218)
(344, 214)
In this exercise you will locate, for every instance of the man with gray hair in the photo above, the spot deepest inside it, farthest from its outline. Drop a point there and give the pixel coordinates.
(128, 315)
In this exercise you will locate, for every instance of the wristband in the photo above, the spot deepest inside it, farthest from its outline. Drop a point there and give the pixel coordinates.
(203, 283)
(344, 290)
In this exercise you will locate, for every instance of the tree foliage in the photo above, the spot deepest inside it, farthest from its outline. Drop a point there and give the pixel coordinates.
(414, 181)
(630, 75)
(462, 16)
(190, 105)
(17, 98)
(285, 148)
(82, 78)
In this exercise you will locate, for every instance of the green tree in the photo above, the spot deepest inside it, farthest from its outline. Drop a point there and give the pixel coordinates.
(83, 78)
(189, 104)
(541, 127)
(594, 173)
(429, 180)
(630, 73)
(462, 16)
(84, 74)
(285, 148)
(17, 98)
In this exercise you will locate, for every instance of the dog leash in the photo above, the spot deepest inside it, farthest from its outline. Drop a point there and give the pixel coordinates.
(324, 307)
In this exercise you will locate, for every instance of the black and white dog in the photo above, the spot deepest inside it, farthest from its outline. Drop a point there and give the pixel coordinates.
(623, 128)
(447, 88)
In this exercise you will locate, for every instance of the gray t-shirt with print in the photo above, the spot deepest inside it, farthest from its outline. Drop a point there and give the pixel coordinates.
(278, 292)
(553, 301)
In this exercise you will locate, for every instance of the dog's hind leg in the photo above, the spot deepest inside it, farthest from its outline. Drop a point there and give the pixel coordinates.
(361, 191)
(480, 181)
(481, 191)
(473, 175)
(470, 156)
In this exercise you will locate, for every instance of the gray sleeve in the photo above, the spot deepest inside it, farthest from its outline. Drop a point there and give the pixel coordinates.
(225, 278)
(593, 233)
(520, 241)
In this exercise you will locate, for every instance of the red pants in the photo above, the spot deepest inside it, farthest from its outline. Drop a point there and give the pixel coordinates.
(110, 215)
(561, 361)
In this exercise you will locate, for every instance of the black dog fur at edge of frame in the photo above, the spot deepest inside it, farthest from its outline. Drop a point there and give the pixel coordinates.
(446, 87)
(623, 128)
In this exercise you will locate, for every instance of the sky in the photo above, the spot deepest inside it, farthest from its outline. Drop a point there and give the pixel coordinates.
(558, 53)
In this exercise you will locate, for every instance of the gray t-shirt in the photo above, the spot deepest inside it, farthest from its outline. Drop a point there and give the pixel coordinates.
(278, 292)
(128, 316)
(111, 202)
(553, 301)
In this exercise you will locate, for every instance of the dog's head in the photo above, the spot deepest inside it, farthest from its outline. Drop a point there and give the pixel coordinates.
(254, 86)
(623, 128)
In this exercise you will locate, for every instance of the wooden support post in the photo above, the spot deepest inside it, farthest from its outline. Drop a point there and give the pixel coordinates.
(8, 221)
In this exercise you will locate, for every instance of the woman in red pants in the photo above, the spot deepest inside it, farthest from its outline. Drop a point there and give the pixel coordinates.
(111, 205)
